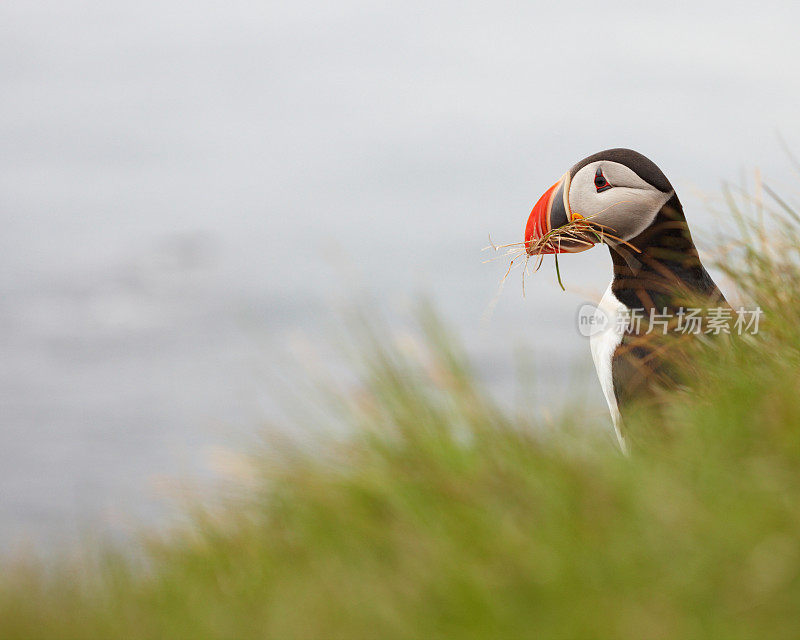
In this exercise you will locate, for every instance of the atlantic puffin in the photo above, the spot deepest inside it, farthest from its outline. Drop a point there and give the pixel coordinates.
(625, 202)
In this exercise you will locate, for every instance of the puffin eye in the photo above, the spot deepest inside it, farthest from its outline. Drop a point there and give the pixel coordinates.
(600, 181)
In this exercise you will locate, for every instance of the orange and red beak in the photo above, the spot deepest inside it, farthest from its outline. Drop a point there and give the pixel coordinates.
(550, 212)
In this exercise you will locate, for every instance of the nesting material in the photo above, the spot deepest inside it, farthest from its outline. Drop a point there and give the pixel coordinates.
(577, 235)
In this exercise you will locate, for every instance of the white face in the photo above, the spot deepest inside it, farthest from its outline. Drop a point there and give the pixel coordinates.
(626, 209)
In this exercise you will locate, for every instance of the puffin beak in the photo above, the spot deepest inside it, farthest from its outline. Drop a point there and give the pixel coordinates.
(550, 212)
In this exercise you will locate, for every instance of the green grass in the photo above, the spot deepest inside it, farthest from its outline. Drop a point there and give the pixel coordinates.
(439, 515)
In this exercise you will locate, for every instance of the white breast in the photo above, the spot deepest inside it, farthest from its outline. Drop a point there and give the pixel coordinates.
(609, 315)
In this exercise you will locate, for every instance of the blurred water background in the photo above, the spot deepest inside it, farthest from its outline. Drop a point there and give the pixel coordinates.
(190, 191)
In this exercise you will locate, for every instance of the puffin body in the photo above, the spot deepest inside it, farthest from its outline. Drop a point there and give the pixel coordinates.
(622, 199)
(604, 346)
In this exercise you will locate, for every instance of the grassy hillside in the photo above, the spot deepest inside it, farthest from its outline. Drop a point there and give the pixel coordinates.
(441, 516)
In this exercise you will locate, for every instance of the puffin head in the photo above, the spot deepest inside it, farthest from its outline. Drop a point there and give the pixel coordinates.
(618, 191)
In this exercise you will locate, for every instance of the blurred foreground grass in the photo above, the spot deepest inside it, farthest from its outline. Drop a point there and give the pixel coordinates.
(440, 516)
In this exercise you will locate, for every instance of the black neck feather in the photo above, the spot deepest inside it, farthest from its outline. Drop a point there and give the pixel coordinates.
(666, 271)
